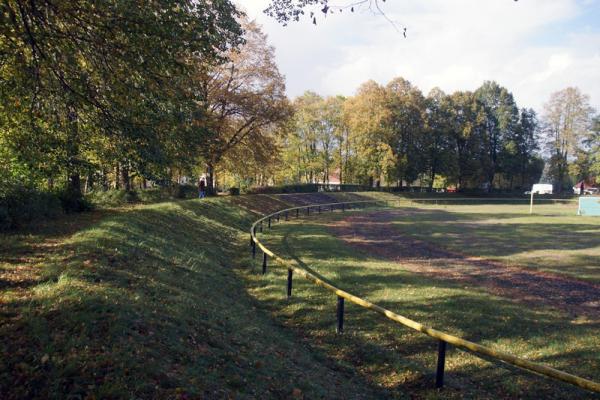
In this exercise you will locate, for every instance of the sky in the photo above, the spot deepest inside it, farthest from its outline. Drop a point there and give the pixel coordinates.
(532, 47)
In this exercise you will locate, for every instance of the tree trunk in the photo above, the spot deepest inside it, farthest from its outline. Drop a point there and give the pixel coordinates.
(341, 165)
(210, 173)
(104, 179)
(432, 177)
(125, 180)
(74, 183)
(117, 177)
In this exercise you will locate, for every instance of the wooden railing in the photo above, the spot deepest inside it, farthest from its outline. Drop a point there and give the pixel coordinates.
(443, 338)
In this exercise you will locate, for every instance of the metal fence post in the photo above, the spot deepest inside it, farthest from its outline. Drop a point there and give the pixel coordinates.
(319, 209)
(277, 217)
(264, 265)
(289, 283)
(261, 226)
(286, 215)
(297, 212)
(308, 210)
(253, 250)
(441, 361)
(340, 315)
(343, 207)
(269, 222)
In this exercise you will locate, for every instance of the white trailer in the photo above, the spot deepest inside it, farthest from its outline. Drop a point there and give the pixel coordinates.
(541, 188)
(538, 188)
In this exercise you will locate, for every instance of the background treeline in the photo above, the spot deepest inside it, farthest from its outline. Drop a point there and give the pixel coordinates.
(101, 96)
(121, 95)
(393, 135)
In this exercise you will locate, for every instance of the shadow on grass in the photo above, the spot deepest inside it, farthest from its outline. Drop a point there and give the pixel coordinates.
(146, 303)
(475, 234)
(399, 357)
(548, 235)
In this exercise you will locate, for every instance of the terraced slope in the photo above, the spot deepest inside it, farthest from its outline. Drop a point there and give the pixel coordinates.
(147, 302)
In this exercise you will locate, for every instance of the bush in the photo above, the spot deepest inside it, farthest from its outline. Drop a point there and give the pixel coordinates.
(184, 191)
(297, 188)
(153, 195)
(310, 188)
(113, 198)
(234, 191)
(73, 201)
(21, 205)
(5, 220)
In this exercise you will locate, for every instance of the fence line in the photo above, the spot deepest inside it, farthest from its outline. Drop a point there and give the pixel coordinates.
(443, 338)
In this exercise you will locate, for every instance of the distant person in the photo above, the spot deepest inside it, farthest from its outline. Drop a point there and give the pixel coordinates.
(581, 188)
(202, 186)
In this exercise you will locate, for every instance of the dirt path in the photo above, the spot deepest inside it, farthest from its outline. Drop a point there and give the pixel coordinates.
(373, 232)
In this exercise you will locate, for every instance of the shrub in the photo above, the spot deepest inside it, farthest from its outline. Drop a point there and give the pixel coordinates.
(115, 198)
(153, 195)
(297, 188)
(5, 220)
(184, 191)
(21, 205)
(73, 201)
(111, 198)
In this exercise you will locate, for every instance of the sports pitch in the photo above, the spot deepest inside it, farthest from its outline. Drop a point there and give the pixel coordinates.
(525, 284)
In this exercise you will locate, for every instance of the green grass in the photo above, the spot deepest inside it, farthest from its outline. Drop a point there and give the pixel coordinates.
(163, 301)
(553, 239)
(397, 358)
(150, 302)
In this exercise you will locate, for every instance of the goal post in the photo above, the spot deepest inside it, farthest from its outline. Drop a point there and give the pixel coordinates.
(589, 206)
(531, 204)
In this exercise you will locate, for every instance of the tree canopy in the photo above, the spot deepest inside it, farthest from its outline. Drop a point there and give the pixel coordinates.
(394, 135)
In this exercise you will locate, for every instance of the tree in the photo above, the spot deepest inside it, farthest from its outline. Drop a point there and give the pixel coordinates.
(501, 118)
(341, 133)
(285, 11)
(366, 115)
(518, 155)
(587, 162)
(316, 138)
(406, 106)
(567, 118)
(303, 154)
(436, 141)
(467, 116)
(74, 72)
(241, 100)
(594, 141)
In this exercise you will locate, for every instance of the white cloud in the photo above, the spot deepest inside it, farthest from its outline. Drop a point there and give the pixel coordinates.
(531, 47)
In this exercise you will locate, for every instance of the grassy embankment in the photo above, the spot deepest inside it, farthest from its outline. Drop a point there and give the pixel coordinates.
(150, 302)
(398, 357)
(153, 302)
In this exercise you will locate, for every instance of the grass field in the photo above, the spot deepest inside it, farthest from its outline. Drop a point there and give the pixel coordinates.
(150, 302)
(164, 301)
(395, 357)
(553, 239)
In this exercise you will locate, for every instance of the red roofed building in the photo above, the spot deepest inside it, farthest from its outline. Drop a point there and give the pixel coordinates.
(585, 186)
